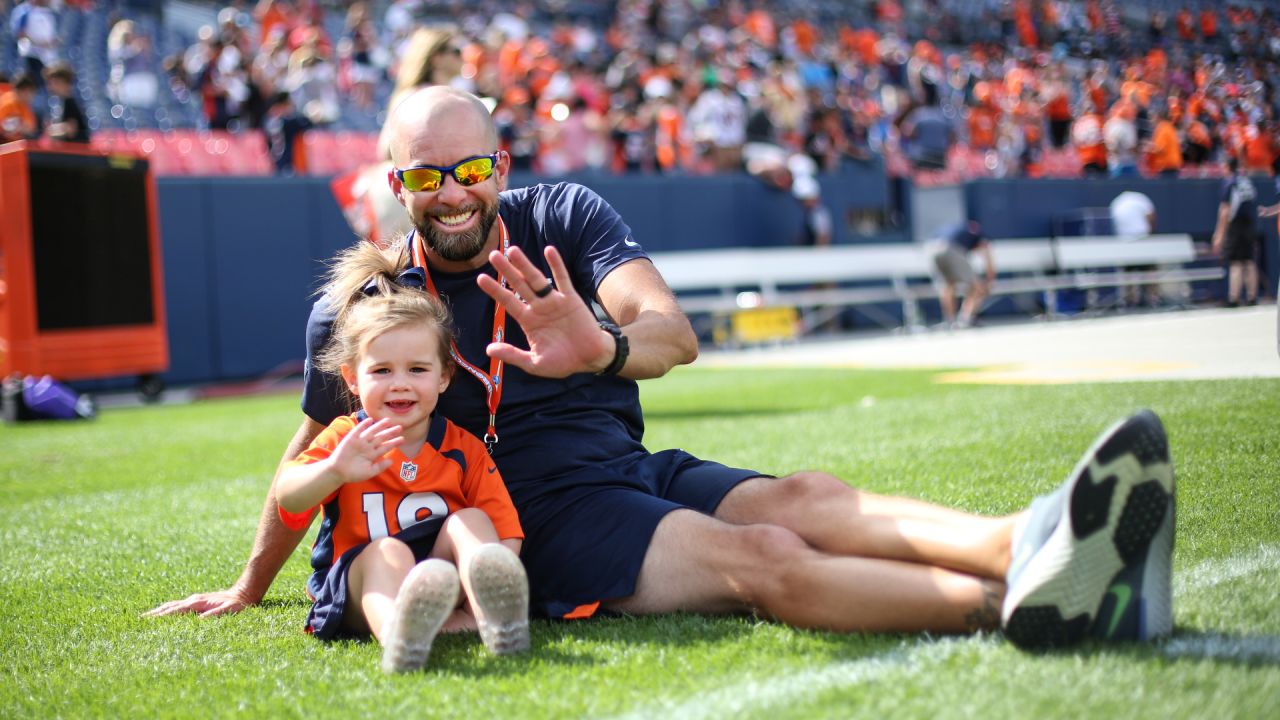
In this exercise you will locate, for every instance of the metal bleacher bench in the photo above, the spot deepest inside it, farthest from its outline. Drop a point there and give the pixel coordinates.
(713, 281)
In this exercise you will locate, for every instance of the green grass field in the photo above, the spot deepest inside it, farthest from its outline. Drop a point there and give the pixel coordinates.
(106, 519)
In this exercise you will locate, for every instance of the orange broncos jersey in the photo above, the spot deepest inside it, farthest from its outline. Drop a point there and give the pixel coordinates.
(409, 499)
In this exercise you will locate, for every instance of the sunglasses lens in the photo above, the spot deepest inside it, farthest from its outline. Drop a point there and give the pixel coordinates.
(419, 179)
(473, 171)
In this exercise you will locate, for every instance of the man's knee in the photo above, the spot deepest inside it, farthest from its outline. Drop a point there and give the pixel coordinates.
(769, 563)
(786, 500)
(807, 491)
(814, 486)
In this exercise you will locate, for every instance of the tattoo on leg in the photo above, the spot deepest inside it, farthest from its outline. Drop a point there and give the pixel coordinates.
(987, 615)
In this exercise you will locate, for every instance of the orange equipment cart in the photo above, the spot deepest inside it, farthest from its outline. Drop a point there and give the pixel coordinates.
(81, 286)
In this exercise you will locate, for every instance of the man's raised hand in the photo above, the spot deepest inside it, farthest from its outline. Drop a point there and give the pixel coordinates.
(564, 337)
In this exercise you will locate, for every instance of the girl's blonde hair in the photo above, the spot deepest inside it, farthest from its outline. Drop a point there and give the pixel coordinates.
(364, 289)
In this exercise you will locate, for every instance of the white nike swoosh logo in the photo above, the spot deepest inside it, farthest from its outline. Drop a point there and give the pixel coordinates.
(630, 243)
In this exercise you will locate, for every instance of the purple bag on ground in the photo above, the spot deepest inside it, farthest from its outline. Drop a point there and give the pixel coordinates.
(47, 398)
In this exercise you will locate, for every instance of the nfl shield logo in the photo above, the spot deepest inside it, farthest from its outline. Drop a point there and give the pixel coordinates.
(408, 472)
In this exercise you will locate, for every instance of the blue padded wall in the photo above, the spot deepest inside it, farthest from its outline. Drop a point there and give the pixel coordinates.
(243, 255)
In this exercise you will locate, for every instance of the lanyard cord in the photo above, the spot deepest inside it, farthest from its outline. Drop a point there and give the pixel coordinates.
(491, 380)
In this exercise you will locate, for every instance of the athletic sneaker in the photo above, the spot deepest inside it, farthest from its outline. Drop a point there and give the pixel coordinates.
(1138, 604)
(1110, 509)
(427, 597)
(500, 589)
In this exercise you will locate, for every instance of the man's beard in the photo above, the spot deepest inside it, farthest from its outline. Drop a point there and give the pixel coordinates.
(463, 246)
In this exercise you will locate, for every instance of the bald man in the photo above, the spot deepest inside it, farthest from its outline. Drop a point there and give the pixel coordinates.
(612, 527)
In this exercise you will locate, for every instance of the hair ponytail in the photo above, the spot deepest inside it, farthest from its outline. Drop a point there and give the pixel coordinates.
(362, 265)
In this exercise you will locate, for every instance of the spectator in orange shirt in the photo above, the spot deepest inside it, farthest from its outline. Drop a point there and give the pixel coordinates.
(1186, 26)
(1093, 12)
(272, 15)
(759, 24)
(17, 120)
(866, 42)
(1198, 144)
(1025, 25)
(983, 120)
(1259, 150)
(1163, 150)
(1086, 135)
(1057, 108)
(1208, 24)
(806, 36)
(1233, 135)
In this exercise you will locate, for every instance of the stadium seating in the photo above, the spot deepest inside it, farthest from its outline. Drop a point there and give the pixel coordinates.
(1061, 163)
(192, 152)
(347, 141)
(332, 153)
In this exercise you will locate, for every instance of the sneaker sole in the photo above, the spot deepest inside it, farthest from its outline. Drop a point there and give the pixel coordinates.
(500, 589)
(1120, 494)
(427, 597)
(1138, 605)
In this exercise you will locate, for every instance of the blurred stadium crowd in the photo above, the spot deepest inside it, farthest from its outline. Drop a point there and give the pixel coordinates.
(944, 90)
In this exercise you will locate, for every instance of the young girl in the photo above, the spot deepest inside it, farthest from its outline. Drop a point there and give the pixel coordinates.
(413, 505)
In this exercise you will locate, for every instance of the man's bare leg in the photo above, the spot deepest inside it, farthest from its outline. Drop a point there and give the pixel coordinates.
(947, 299)
(840, 520)
(972, 303)
(697, 563)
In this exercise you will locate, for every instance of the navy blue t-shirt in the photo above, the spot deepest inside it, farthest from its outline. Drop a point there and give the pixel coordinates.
(546, 427)
(1239, 193)
(964, 235)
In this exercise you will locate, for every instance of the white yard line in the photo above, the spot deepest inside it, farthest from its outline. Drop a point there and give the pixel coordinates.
(1264, 561)
(1212, 573)
(752, 696)
(1237, 648)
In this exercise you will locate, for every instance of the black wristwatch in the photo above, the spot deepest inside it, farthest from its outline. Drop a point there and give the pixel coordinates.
(621, 348)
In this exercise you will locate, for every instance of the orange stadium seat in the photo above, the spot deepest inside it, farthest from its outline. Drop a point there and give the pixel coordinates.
(1207, 170)
(967, 163)
(332, 153)
(150, 144)
(188, 148)
(358, 148)
(217, 147)
(324, 156)
(109, 140)
(247, 154)
(1061, 163)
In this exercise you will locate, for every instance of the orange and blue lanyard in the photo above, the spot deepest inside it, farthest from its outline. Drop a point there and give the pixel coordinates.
(491, 380)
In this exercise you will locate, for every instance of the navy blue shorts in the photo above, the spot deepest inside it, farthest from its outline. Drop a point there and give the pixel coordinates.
(586, 543)
(330, 597)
